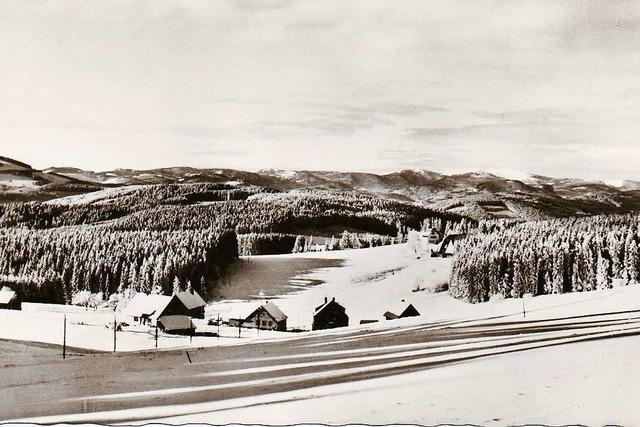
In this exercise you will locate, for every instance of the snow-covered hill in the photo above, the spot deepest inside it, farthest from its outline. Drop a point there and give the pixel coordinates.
(497, 194)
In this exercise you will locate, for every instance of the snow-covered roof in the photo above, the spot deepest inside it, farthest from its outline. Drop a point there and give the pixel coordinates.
(176, 322)
(147, 305)
(273, 311)
(6, 295)
(191, 300)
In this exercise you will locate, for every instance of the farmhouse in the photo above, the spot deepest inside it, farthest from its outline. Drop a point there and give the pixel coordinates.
(404, 310)
(267, 316)
(147, 309)
(9, 299)
(330, 315)
(176, 324)
(193, 302)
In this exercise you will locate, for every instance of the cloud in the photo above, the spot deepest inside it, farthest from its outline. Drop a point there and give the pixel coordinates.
(322, 84)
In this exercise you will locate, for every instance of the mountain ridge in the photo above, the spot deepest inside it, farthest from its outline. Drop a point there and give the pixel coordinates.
(480, 195)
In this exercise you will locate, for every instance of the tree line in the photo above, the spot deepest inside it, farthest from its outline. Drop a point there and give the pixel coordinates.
(547, 257)
(53, 265)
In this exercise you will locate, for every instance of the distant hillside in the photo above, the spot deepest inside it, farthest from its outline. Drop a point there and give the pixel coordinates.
(20, 182)
(476, 194)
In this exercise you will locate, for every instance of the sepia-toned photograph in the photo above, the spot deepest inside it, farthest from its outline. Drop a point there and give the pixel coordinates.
(320, 212)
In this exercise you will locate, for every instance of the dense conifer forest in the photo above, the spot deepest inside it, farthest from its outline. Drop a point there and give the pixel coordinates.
(161, 238)
(547, 257)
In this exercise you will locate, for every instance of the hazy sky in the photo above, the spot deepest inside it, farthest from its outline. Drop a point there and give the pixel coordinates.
(546, 87)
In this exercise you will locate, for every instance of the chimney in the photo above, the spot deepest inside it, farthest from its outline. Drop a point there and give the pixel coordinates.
(333, 299)
(326, 300)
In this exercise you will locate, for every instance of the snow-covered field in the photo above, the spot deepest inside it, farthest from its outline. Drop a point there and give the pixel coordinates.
(98, 197)
(488, 371)
(371, 282)
(592, 383)
(16, 181)
(554, 359)
(88, 329)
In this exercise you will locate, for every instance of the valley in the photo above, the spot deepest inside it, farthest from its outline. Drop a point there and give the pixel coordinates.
(348, 240)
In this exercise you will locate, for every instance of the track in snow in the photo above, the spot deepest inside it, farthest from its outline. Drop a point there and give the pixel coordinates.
(109, 388)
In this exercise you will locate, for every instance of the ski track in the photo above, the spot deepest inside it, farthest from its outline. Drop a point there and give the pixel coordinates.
(296, 369)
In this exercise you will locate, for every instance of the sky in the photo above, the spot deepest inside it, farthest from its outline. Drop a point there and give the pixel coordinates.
(547, 87)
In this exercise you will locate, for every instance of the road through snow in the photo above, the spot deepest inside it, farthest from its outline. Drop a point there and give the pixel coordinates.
(158, 385)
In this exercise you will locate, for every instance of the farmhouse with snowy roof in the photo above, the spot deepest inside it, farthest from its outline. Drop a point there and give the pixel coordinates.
(329, 315)
(193, 302)
(147, 309)
(267, 316)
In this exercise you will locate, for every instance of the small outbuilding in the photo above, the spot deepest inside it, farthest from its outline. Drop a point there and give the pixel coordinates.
(330, 315)
(177, 324)
(9, 299)
(267, 316)
(404, 310)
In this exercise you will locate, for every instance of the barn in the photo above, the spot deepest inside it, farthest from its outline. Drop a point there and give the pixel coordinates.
(403, 309)
(329, 315)
(267, 316)
(9, 299)
(177, 324)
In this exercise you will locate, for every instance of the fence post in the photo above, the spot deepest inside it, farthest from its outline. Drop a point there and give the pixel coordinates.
(64, 338)
(114, 333)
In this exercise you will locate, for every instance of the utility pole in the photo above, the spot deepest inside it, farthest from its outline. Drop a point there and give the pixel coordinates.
(156, 335)
(64, 338)
(218, 325)
(239, 327)
(524, 312)
(114, 333)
